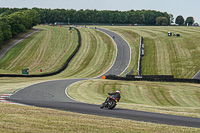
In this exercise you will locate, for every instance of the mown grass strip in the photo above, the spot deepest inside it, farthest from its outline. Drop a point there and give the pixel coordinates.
(96, 55)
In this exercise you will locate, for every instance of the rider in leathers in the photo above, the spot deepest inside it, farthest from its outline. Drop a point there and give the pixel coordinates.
(116, 96)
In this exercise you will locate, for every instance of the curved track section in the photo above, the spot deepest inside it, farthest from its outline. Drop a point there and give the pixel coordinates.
(123, 56)
(52, 95)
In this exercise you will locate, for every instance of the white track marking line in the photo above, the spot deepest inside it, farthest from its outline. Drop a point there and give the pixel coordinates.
(198, 73)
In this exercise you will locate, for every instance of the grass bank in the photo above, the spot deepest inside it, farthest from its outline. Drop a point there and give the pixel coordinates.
(170, 98)
(95, 57)
(46, 50)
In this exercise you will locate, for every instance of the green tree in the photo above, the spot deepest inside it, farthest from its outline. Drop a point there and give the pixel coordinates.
(179, 20)
(1, 37)
(6, 29)
(11, 25)
(15, 20)
(189, 21)
(161, 21)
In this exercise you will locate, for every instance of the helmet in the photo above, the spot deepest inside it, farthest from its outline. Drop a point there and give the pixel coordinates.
(117, 91)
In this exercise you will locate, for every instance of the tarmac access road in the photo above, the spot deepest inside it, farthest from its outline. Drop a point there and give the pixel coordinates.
(12, 44)
(52, 94)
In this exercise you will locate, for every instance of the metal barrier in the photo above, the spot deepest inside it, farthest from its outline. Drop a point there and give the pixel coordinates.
(160, 78)
(141, 50)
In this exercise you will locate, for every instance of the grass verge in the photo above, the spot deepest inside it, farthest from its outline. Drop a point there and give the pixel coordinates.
(32, 119)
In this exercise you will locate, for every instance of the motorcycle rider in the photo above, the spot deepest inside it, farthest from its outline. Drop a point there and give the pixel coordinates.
(115, 94)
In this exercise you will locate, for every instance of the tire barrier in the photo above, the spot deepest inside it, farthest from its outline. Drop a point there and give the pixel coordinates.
(55, 72)
(160, 78)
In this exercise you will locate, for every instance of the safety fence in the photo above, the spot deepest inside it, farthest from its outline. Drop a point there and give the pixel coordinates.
(55, 72)
(160, 78)
(141, 54)
(151, 76)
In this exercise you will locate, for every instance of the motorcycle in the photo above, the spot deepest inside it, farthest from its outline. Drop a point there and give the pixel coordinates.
(110, 103)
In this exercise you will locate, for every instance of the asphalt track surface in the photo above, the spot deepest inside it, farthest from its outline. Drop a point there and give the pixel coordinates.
(52, 94)
(197, 75)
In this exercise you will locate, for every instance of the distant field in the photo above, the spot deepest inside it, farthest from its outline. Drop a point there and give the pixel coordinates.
(178, 56)
(170, 98)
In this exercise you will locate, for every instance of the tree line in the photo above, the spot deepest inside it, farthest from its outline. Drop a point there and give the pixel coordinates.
(13, 22)
(141, 17)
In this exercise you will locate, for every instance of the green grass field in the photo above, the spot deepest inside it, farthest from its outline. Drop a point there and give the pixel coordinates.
(178, 56)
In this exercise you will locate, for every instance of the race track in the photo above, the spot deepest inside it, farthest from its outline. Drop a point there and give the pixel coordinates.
(51, 94)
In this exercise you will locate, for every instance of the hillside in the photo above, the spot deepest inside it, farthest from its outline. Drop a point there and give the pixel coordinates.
(46, 50)
(94, 58)
(164, 55)
(90, 61)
